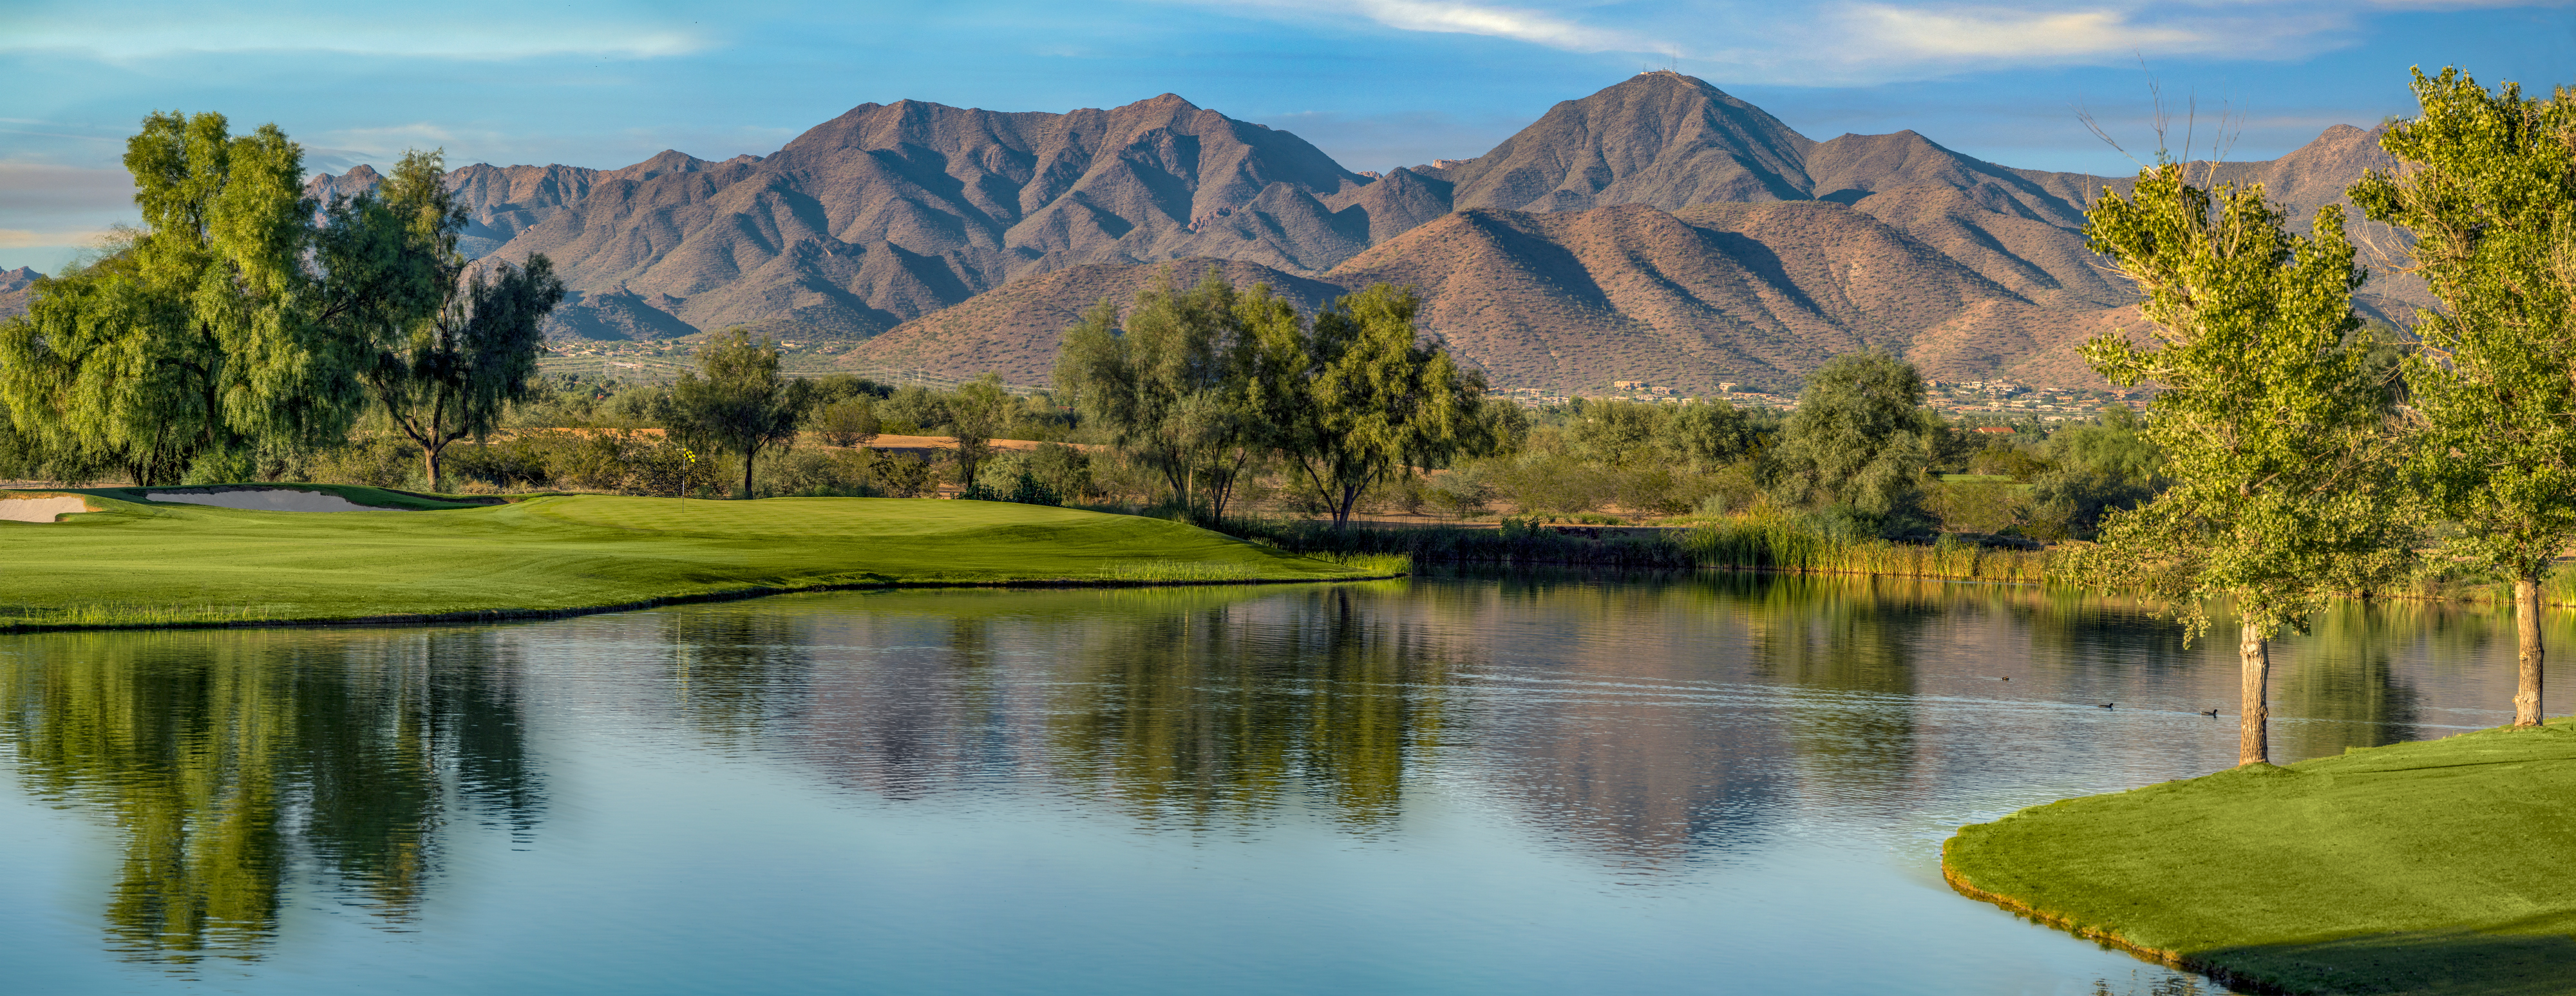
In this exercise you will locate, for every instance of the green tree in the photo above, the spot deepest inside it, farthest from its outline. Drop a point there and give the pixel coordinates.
(848, 422)
(1859, 442)
(2277, 434)
(197, 339)
(1356, 395)
(977, 412)
(1709, 435)
(2488, 190)
(1171, 386)
(737, 399)
(1619, 433)
(455, 344)
(2089, 470)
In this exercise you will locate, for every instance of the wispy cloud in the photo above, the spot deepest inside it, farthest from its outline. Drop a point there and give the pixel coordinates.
(1873, 41)
(131, 30)
(79, 238)
(45, 188)
(1521, 23)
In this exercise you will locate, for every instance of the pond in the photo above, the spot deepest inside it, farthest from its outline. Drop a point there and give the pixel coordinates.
(1470, 784)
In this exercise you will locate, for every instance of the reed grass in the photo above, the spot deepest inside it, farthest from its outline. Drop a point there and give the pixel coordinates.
(1771, 541)
(126, 615)
(1167, 571)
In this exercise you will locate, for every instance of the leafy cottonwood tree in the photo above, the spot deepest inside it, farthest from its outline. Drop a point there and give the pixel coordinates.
(454, 344)
(1171, 385)
(2488, 189)
(737, 399)
(1355, 395)
(2276, 430)
(1860, 440)
(196, 339)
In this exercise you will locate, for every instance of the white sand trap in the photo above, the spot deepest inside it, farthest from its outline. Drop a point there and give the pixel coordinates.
(264, 500)
(44, 510)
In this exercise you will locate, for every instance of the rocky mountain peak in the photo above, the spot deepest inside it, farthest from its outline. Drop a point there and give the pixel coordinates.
(1658, 138)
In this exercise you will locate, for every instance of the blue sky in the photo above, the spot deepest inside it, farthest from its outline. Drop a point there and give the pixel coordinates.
(1376, 83)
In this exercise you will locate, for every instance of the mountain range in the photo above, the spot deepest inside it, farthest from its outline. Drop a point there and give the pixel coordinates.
(1658, 230)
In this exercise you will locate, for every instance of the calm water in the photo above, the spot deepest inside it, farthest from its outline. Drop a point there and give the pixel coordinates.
(1719, 783)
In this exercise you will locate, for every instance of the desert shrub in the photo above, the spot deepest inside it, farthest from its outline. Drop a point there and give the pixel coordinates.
(1990, 507)
(383, 461)
(809, 473)
(1460, 494)
(509, 465)
(902, 475)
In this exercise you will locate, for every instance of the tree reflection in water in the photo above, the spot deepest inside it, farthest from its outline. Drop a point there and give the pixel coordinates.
(1220, 713)
(226, 759)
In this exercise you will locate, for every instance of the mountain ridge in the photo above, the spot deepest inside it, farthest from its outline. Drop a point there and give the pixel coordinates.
(876, 222)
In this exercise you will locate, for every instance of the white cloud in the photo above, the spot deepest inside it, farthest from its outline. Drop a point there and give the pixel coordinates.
(1858, 42)
(1993, 33)
(135, 30)
(1500, 22)
(1541, 27)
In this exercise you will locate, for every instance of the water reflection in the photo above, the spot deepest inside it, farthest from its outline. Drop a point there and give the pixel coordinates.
(1663, 732)
(228, 759)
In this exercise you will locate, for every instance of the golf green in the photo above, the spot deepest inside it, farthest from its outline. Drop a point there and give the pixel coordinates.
(143, 562)
(2437, 866)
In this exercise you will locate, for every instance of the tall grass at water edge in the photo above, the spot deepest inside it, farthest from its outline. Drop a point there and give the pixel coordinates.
(1757, 541)
(118, 615)
(1776, 542)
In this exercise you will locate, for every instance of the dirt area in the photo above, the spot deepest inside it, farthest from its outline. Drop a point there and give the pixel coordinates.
(262, 499)
(45, 508)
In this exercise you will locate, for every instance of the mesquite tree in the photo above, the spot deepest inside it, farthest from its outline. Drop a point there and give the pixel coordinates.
(1356, 395)
(740, 402)
(2277, 427)
(1170, 386)
(2488, 189)
(453, 343)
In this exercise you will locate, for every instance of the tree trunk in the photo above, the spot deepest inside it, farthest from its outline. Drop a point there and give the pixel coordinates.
(429, 459)
(2526, 624)
(2254, 658)
(747, 455)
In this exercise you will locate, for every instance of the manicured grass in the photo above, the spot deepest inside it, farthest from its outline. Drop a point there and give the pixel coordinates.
(2440, 866)
(161, 564)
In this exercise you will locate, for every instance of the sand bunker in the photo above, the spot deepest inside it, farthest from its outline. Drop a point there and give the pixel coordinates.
(40, 509)
(264, 500)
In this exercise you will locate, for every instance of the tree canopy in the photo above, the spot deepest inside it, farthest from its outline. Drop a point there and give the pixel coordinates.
(737, 399)
(2274, 421)
(2488, 190)
(1859, 442)
(193, 341)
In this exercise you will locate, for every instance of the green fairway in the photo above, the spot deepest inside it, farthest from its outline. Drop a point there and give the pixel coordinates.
(143, 562)
(2440, 866)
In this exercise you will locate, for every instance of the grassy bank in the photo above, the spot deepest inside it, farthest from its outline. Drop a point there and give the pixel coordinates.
(146, 563)
(2430, 867)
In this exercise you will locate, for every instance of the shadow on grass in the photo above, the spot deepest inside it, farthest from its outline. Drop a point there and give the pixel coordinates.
(2460, 963)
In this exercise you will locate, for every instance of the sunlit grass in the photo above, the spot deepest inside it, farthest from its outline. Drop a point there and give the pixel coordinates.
(153, 564)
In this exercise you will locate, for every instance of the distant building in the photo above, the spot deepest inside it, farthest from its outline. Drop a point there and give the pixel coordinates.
(2002, 429)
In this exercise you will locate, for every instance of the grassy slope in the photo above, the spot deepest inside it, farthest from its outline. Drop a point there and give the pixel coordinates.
(2438, 866)
(569, 552)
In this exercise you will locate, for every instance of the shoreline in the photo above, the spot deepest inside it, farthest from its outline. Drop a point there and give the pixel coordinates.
(2105, 936)
(742, 595)
(2423, 866)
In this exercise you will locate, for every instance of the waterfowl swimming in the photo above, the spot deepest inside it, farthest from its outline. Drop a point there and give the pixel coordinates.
(2211, 713)
(2107, 705)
